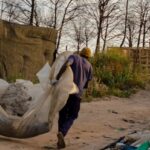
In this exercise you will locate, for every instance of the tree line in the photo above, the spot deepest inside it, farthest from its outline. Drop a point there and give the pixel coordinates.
(93, 23)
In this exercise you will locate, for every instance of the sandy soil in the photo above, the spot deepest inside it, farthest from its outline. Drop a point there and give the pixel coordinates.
(99, 123)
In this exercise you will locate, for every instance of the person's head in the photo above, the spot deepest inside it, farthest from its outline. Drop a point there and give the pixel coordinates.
(86, 52)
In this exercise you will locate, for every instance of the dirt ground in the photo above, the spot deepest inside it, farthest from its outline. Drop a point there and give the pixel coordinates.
(99, 123)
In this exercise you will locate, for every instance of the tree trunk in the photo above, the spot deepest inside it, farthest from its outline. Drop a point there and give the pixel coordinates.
(139, 36)
(60, 31)
(106, 32)
(144, 33)
(66, 47)
(32, 12)
(78, 47)
(101, 19)
(125, 28)
(87, 42)
(97, 43)
(99, 34)
(86, 38)
(55, 16)
(2, 9)
(130, 36)
(36, 19)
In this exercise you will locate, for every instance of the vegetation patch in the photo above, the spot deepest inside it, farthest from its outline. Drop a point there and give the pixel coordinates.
(113, 75)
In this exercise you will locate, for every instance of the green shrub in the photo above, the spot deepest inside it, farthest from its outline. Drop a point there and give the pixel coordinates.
(121, 93)
(111, 69)
(115, 71)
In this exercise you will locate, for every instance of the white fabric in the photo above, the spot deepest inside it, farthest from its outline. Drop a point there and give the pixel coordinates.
(47, 101)
(43, 76)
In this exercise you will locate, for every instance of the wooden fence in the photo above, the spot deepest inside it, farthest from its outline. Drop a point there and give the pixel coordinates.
(139, 57)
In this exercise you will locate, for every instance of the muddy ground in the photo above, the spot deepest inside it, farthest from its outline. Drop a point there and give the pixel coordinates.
(100, 122)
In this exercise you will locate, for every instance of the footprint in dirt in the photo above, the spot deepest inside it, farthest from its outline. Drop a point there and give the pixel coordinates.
(49, 148)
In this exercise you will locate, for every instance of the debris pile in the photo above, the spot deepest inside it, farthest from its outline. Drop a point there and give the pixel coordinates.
(134, 141)
(15, 100)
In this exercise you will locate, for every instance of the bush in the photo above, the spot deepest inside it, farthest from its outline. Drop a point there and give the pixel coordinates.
(121, 93)
(115, 71)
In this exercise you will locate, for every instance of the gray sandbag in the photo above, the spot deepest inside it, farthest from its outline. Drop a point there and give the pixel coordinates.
(16, 100)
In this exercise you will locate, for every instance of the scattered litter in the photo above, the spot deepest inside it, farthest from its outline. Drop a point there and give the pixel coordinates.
(133, 141)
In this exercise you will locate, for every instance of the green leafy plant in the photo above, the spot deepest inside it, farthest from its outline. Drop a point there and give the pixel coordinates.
(116, 72)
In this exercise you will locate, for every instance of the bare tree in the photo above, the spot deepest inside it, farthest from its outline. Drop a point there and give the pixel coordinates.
(7, 9)
(110, 23)
(23, 12)
(78, 36)
(89, 33)
(131, 31)
(3, 7)
(99, 11)
(54, 13)
(61, 14)
(143, 13)
(32, 11)
(28, 9)
(81, 32)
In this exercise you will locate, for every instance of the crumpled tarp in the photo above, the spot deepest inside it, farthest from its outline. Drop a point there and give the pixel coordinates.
(47, 100)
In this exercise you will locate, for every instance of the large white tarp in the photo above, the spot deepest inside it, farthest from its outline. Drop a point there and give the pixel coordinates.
(47, 100)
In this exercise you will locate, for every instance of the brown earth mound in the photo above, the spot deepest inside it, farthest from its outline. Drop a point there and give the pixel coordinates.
(24, 50)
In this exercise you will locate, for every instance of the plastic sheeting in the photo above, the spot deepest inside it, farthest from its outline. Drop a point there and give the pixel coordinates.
(47, 100)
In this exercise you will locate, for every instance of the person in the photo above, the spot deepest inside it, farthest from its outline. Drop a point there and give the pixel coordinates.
(82, 74)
